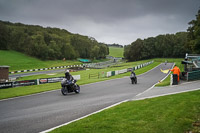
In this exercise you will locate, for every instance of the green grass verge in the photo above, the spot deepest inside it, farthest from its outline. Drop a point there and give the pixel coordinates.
(116, 51)
(26, 90)
(167, 114)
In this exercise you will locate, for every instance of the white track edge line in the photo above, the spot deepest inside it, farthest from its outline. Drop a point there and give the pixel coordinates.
(48, 130)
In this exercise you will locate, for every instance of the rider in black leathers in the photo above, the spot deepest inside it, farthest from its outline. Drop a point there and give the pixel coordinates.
(68, 76)
(133, 76)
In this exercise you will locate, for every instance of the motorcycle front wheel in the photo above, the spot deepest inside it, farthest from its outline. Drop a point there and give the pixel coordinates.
(64, 91)
(77, 90)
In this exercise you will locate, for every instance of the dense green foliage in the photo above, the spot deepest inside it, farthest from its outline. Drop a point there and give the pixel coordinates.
(167, 46)
(49, 43)
(194, 35)
(162, 46)
(115, 45)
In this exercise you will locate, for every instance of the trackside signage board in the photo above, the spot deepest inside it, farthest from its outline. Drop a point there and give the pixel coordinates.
(34, 82)
(6, 85)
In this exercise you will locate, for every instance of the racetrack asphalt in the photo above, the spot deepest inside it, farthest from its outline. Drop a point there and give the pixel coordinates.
(36, 113)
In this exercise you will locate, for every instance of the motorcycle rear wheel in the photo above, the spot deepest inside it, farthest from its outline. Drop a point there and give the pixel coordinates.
(132, 81)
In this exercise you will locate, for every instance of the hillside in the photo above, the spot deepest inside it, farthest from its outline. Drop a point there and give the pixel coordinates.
(116, 51)
(20, 61)
(49, 43)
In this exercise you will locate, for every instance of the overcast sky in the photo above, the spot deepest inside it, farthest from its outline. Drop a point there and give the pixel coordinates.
(108, 21)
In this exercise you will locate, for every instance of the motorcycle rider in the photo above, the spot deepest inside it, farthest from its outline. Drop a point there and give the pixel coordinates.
(68, 76)
(133, 75)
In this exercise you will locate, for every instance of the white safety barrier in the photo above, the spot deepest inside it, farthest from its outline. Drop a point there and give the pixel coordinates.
(122, 71)
(116, 72)
(108, 74)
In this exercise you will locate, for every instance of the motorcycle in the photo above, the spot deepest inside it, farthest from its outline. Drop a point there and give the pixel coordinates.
(69, 86)
(133, 79)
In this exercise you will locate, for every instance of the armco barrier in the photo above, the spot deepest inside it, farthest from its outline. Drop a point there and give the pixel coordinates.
(34, 82)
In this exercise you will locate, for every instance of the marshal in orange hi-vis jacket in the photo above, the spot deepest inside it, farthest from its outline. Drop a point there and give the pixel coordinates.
(176, 70)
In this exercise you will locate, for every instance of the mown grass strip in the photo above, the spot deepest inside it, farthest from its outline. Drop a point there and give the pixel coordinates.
(167, 114)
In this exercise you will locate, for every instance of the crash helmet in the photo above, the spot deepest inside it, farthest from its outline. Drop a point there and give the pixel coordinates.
(67, 72)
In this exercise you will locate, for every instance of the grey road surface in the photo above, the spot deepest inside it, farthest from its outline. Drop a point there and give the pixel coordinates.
(39, 112)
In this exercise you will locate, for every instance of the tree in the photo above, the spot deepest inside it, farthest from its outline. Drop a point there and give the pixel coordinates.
(48, 43)
(4, 37)
(167, 46)
(95, 52)
(194, 35)
(40, 48)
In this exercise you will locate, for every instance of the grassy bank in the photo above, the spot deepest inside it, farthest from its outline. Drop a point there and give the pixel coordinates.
(19, 61)
(167, 114)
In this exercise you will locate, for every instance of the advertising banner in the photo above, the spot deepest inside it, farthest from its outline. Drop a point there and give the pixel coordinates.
(5, 85)
(43, 81)
(24, 83)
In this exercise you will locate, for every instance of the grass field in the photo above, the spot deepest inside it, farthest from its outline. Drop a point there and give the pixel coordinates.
(116, 51)
(19, 61)
(167, 114)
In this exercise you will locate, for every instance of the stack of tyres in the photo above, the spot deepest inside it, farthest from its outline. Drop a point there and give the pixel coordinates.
(175, 79)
